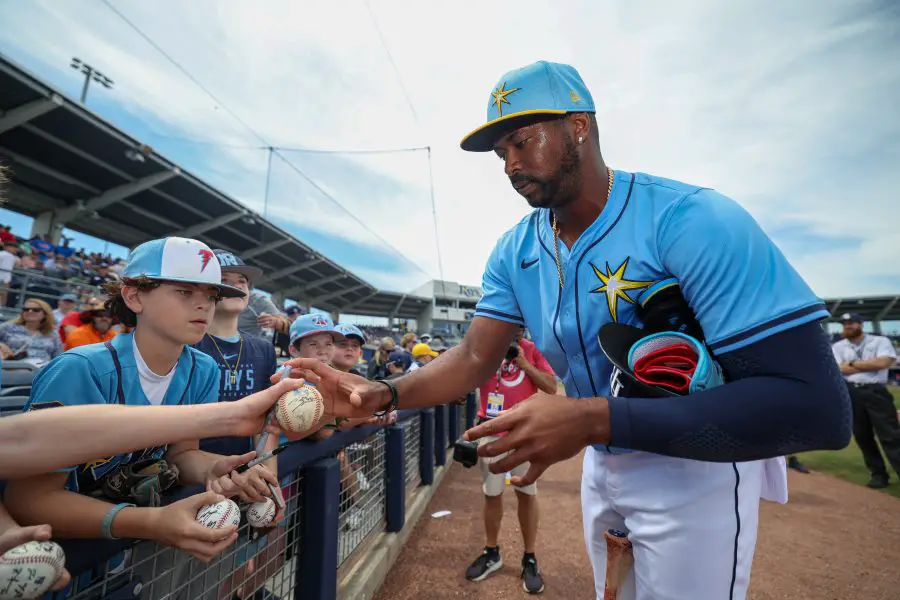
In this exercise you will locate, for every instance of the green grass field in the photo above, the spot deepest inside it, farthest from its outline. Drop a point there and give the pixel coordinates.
(848, 463)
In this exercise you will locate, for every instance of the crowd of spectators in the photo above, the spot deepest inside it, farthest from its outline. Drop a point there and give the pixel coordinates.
(43, 269)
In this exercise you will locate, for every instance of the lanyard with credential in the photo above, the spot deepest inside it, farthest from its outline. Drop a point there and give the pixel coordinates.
(859, 350)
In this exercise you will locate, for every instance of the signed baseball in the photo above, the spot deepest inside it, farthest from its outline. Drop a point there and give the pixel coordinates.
(224, 513)
(29, 570)
(299, 410)
(261, 514)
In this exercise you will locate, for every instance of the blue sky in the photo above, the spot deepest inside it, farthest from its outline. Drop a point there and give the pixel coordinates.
(790, 111)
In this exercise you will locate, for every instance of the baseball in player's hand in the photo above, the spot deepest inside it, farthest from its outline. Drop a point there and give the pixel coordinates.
(543, 430)
(246, 417)
(345, 394)
(249, 486)
(176, 526)
(16, 536)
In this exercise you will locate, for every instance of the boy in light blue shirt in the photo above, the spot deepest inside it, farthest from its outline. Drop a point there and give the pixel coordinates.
(168, 293)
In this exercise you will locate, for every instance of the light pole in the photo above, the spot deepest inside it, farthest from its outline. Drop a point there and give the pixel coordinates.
(90, 73)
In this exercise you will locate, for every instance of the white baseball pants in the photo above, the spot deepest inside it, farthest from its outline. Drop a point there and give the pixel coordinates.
(692, 524)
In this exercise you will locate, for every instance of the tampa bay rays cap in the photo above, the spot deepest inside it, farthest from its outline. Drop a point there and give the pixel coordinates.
(539, 89)
(348, 330)
(232, 263)
(311, 324)
(180, 260)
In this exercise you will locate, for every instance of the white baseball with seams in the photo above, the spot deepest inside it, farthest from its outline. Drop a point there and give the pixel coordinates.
(224, 513)
(261, 514)
(299, 410)
(30, 570)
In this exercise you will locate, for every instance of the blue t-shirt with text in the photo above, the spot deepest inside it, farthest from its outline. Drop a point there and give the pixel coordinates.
(246, 364)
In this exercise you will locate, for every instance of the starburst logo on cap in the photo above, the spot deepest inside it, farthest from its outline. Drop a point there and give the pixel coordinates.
(205, 256)
(499, 95)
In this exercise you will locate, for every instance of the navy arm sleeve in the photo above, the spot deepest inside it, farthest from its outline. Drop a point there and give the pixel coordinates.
(784, 395)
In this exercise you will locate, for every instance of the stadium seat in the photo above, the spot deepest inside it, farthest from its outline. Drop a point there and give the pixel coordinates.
(16, 390)
(12, 405)
(16, 365)
(17, 378)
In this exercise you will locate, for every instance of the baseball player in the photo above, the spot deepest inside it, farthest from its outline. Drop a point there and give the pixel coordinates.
(681, 476)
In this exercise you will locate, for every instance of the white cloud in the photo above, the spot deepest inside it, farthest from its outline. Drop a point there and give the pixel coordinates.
(789, 110)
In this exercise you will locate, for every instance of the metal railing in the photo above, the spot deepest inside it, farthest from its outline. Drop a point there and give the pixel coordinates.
(30, 284)
(340, 493)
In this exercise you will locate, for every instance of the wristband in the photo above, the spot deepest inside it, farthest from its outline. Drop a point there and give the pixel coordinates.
(106, 526)
(395, 399)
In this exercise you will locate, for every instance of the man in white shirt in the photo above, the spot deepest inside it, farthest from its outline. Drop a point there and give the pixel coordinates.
(66, 305)
(8, 262)
(864, 360)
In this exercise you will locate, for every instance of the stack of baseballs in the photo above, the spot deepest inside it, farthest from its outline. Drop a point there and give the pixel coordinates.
(300, 410)
(30, 570)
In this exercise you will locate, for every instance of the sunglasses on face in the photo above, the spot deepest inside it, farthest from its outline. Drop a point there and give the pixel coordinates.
(29, 309)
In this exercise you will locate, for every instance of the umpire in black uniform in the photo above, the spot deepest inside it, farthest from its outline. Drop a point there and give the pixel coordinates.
(864, 360)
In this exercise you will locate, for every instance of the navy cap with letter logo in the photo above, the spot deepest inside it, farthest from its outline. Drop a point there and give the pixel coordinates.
(232, 263)
(540, 89)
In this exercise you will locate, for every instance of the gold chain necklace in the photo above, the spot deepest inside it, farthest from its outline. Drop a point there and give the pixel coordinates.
(609, 174)
(237, 363)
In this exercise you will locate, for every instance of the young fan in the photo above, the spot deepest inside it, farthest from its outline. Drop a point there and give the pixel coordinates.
(348, 351)
(168, 293)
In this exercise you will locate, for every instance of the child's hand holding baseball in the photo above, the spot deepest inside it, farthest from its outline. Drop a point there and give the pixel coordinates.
(249, 486)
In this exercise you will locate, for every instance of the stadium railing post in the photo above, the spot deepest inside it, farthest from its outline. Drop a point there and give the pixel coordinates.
(395, 474)
(440, 432)
(316, 577)
(426, 447)
(453, 416)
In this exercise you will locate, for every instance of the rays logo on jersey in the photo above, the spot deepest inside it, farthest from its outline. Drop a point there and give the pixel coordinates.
(615, 285)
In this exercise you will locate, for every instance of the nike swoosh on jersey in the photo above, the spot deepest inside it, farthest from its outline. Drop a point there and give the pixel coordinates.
(229, 356)
(525, 264)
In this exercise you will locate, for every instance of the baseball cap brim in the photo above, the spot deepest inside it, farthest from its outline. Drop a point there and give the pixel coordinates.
(251, 273)
(483, 138)
(616, 341)
(226, 291)
(335, 334)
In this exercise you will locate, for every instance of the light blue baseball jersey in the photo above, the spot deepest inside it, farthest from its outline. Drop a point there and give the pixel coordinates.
(739, 284)
(88, 375)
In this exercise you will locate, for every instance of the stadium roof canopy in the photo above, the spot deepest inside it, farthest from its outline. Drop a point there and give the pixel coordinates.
(99, 181)
(870, 308)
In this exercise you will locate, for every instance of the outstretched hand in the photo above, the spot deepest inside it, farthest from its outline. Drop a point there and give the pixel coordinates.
(543, 430)
(345, 394)
(249, 414)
